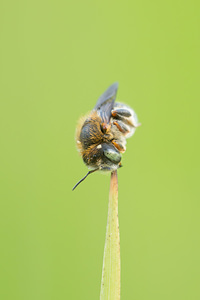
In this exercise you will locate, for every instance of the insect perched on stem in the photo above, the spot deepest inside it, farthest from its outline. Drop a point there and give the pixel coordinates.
(101, 135)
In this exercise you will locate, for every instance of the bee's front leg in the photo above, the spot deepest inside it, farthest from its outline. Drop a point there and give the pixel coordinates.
(119, 146)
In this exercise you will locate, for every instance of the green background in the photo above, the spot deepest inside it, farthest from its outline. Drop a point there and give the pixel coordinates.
(56, 58)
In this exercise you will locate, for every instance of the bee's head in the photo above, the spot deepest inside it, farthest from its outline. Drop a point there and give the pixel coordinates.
(104, 156)
(110, 158)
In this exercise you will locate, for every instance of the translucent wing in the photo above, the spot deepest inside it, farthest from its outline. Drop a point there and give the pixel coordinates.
(105, 103)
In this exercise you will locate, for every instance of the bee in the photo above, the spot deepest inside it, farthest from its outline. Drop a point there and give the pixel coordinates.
(101, 135)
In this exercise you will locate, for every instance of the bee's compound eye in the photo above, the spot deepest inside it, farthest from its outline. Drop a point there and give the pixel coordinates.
(112, 154)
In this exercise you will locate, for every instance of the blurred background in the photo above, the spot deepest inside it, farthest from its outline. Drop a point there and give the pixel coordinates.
(56, 59)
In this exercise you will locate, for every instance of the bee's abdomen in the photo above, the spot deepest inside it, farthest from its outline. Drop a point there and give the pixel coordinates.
(90, 133)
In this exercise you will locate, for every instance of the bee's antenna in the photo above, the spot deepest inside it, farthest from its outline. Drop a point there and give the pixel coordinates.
(84, 178)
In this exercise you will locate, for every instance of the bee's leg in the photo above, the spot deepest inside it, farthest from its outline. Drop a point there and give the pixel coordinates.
(125, 114)
(119, 146)
(119, 113)
(121, 126)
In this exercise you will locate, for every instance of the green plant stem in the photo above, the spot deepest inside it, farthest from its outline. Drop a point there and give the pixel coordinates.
(110, 283)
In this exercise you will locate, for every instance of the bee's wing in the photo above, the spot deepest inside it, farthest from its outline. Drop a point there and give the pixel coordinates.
(105, 103)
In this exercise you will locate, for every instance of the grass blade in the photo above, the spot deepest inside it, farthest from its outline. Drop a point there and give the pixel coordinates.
(110, 283)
